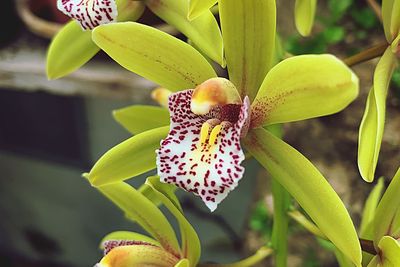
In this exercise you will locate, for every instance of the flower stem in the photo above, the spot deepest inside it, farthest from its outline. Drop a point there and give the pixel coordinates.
(367, 54)
(368, 246)
(281, 219)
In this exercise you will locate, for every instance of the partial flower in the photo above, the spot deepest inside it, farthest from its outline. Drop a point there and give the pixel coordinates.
(89, 13)
(373, 121)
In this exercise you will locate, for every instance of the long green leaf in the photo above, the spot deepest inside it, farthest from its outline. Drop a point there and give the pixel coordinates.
(190, 241)
(373, 121)
(203, 31)
(153, 54)
(130, 158)
(147, 215)
(386, 210)
(307, 185)
(198, 7)
(304, 14)
(318, 85)
(72, 47)
(126, 235)
(248, 30)
(140, 118)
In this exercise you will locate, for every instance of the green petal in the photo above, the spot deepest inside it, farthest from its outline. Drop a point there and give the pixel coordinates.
(304, 13)
(183, 263)
(141, 118)
(373, 121)
(190, 241)
(72, 47)
(387, 209)
(248, 30)
(126, 235)
(203, 31)
(146, 214)
(391, 18)
(395, 19)
(198, 7)
(307, 185)
(153, 54)
(374, 262)
(304, 87)
(138, 255)
(130, 158)
(390, 250)
(260, 255)
(366, 228)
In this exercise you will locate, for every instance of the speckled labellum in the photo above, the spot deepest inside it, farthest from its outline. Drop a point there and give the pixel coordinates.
(89, 13)
(202, 152)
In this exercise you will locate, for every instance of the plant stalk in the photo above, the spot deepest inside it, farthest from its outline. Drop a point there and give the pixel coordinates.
(367, 54)
(368, 246)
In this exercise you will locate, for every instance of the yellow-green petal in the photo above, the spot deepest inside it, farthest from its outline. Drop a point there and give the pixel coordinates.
(303, 87)
(304, 14)
(72, 47)
(198, 7)
(307, 185)
(153, 54)
(373, 121)
(248, 30)
(387, 209)
(203, 31)
(126, 235)
(366, 227)
(260, 255)
(183, 263)
(140, 118)
(190, 241)
(395, 19)
(130, 158)
(146, 214)
(387, 8)
(138, 255)
(390, 252)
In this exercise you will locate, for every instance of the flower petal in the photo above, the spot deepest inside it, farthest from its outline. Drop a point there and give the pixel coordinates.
(89, 13)
(210, 169)
(111, 244)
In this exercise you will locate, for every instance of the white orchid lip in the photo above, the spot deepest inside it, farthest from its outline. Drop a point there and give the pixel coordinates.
(89, 13)
(202, 153)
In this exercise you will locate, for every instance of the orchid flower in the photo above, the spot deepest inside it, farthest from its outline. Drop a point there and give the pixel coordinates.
(161, 248)
(373, 121)
(381, 223)
(72, 47)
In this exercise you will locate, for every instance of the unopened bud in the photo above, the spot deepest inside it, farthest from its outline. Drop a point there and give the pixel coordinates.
(161, 95)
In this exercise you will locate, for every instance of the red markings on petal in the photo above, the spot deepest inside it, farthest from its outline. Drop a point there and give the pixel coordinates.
(89, 13)
(111, 244)
(210, 171)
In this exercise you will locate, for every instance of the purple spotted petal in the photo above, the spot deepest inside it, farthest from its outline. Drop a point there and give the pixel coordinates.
(110, 244)
(209, 171)
(89, 13)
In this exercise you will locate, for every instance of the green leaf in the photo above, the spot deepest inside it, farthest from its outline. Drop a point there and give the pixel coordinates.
(248, 30)
(130, 158)
(339, 8)
(153, 54)
(366, 227)
(141, 118)
(333, 34)
(387, 209)
(307, 185)
(203, 31)
(390, 251)
(190, 241)
(198, 7)
(138, 255)
(304, 13)
(126, 235)
(391, 18)
(72, 47)
(319, 85)
(373, 121)
(147, 215)
(260, 255)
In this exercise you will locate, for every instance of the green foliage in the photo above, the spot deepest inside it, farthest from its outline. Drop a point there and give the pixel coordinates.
(261, 220)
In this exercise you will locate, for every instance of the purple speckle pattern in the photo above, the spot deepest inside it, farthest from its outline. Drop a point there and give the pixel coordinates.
(89, 13)
(209, 171)
(111, 244)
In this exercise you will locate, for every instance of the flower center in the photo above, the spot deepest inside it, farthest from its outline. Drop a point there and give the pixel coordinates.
(205, 134)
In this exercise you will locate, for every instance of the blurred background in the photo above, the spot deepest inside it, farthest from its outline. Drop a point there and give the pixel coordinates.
(53, 131)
